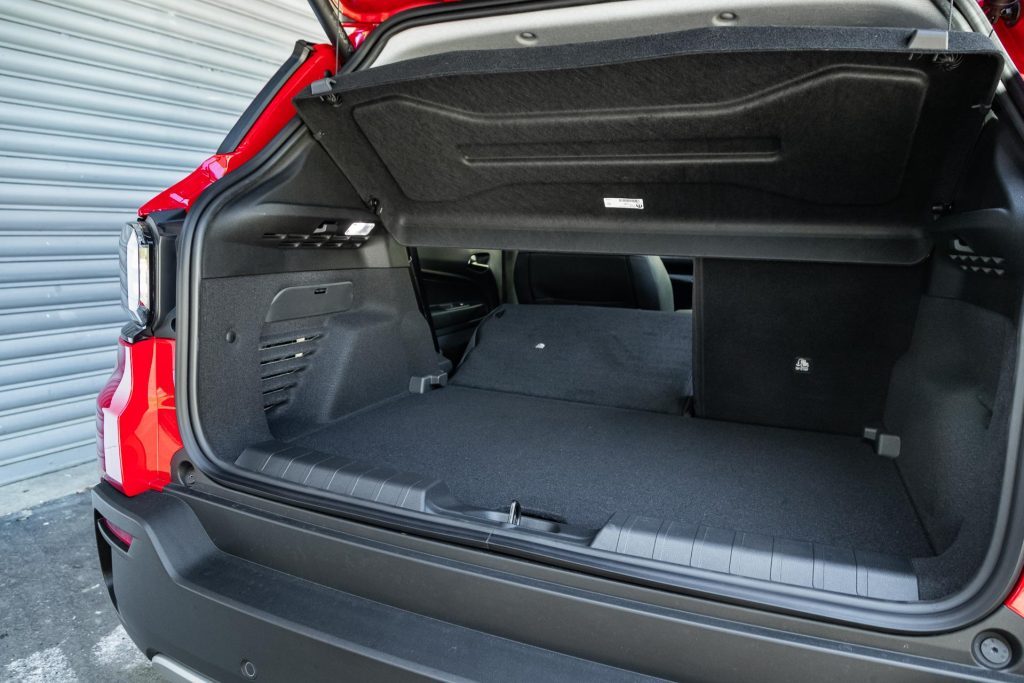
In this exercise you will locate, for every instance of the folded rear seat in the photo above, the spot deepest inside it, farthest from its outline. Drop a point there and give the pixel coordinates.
(618, 357)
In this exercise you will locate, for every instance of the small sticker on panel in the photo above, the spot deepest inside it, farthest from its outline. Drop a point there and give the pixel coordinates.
(623, 203)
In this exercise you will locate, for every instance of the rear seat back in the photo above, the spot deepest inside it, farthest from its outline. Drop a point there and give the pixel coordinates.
(800, 345)
(593, 280)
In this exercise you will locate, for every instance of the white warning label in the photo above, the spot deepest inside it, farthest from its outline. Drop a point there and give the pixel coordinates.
(623, 203)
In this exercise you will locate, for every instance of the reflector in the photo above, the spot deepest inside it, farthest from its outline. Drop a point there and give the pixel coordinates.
(119, 533)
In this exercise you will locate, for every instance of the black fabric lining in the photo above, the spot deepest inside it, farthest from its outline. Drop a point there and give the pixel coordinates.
(741, 553)
(561, 142)
(755, 319)
(585, 462)
(866, 142)
(949, 400)
(603, 356)
(376, 346)
(917, 511)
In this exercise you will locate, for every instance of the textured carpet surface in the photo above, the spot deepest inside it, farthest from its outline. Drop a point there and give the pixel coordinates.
(585, 462)
(606, 356)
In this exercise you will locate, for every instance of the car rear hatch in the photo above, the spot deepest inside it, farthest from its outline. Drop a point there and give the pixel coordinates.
(827, 430)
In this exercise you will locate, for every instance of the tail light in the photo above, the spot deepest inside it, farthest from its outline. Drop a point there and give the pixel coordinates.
(137, 428)
(108, 442)
(136, 423)
(136, 272)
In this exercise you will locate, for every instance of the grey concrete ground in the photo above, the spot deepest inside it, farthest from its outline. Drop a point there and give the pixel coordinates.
(27, 494)
(56, 621)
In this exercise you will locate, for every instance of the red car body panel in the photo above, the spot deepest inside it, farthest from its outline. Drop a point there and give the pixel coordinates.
(1012, 39)
(357, 32)
(269, 123)
(1016, 599)
(377, 11)
(137, 405)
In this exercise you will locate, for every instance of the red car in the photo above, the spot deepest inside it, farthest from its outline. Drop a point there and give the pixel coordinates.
(561, 340)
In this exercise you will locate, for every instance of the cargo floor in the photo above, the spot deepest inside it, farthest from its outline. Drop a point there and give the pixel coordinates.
(584, 462)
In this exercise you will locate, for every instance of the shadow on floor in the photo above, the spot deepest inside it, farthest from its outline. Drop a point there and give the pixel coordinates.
(56, 621)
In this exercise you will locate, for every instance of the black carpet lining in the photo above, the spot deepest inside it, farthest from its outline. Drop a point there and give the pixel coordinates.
(605, 356)
(585, 462)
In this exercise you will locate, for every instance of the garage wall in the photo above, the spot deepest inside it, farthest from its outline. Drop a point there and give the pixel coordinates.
(103, 103)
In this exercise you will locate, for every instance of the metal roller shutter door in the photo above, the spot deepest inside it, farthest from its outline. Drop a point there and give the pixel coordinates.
(102, 105)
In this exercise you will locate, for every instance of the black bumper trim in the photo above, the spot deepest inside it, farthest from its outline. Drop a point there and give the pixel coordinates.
(180, 596)
(407, 614)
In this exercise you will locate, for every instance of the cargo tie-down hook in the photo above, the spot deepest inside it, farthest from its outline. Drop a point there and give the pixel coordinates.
(515, 513)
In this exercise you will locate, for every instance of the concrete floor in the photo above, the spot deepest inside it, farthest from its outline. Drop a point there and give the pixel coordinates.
(56, 621)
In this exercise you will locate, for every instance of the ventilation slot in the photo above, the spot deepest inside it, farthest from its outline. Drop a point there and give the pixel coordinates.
(282, 363)
(969, 262)
(313, 241)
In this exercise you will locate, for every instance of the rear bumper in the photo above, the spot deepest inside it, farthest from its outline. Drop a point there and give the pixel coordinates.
(221, 583)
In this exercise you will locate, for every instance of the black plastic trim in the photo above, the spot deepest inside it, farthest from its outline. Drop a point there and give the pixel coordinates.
(300, 302)
(300, 52)
(472, 9)
(185, 589)
(161, 230)
(164, 226)
(980, 597)
(416, 273)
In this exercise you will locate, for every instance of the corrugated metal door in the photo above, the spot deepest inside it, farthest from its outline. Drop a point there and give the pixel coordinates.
(103, 103)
